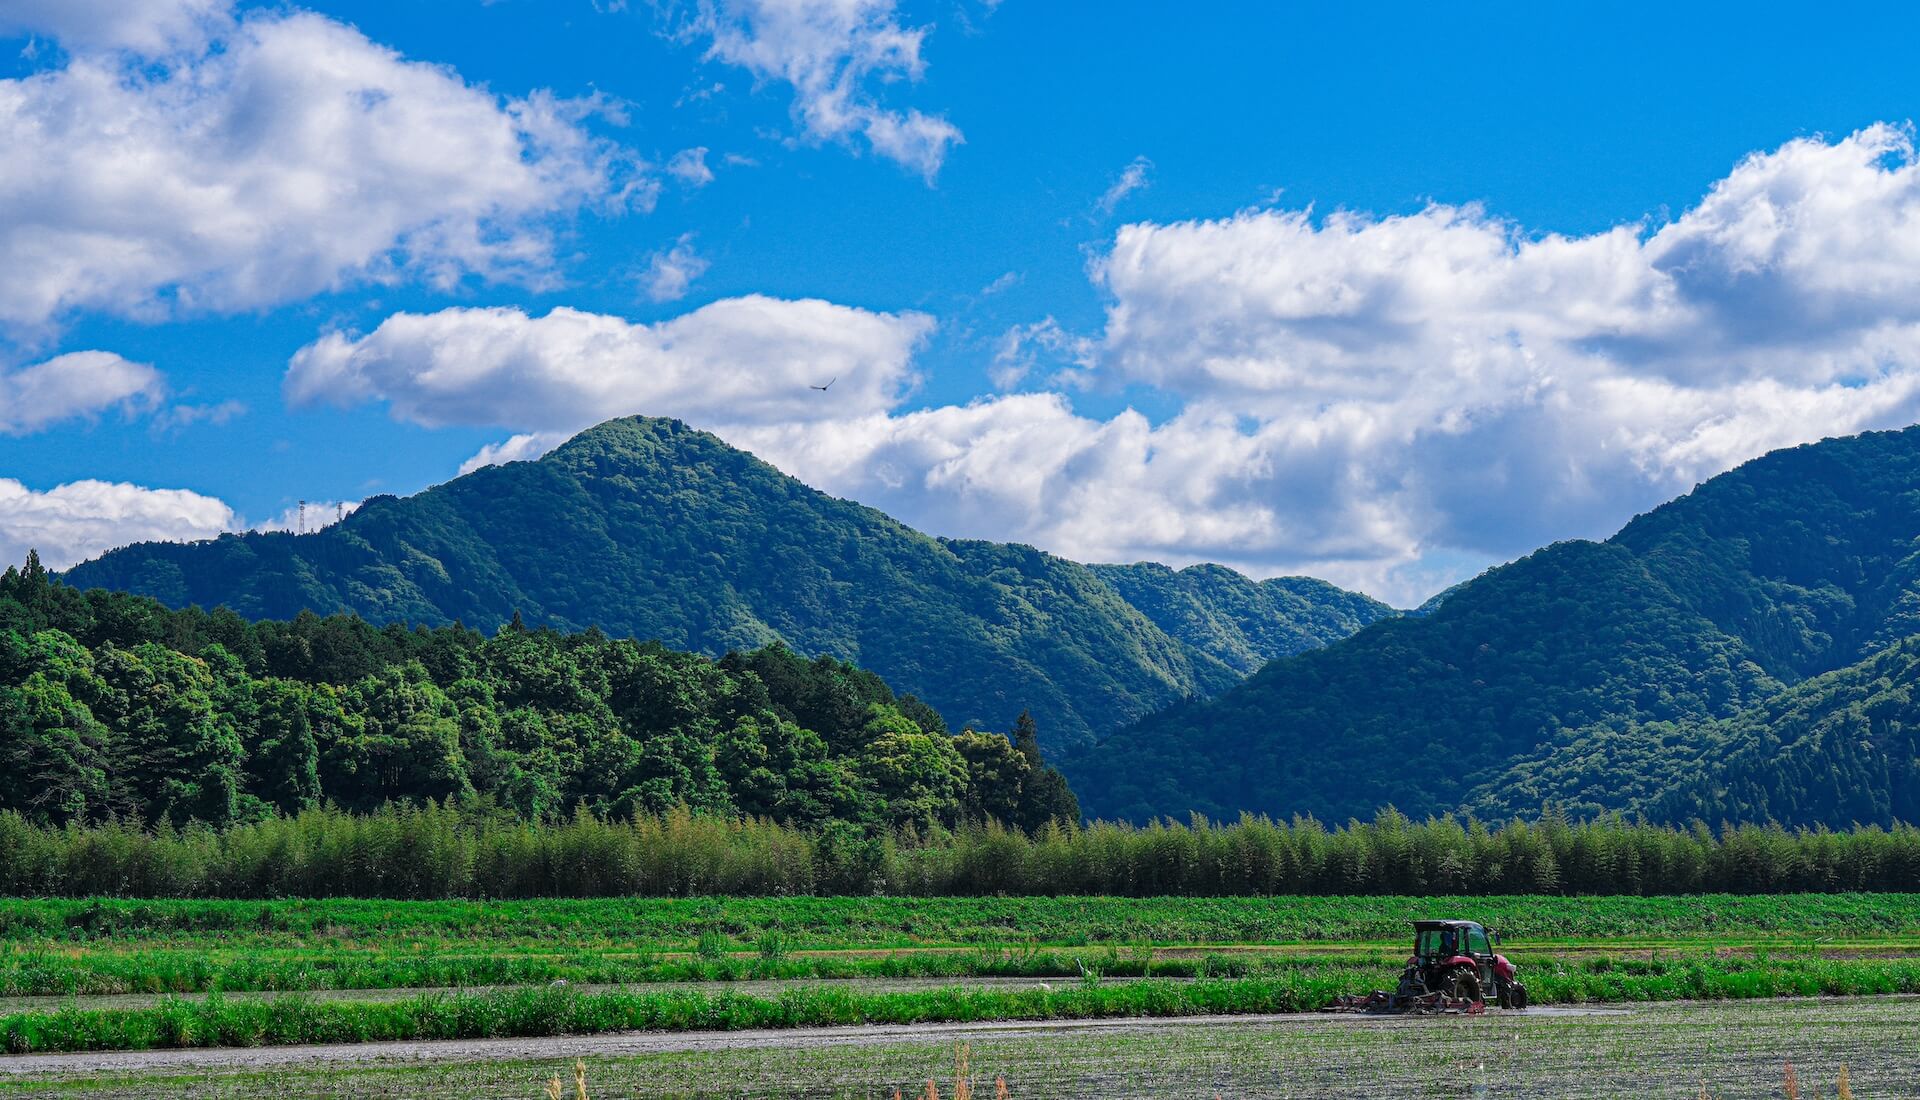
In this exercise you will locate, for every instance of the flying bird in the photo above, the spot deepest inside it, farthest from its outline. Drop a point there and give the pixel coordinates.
(830, 382)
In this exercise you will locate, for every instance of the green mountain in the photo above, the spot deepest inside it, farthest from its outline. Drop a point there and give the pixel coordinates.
(1725, 654)
(647, 528)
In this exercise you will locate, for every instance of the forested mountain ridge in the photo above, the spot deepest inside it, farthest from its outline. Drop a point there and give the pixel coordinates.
(647, 528)
(114, 707)
(1591, 673)
(1840, 748)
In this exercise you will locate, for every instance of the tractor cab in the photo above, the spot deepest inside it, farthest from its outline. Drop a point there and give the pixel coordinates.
(1447, 939)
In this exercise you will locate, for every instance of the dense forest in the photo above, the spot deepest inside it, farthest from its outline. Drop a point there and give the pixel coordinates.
(434, 851)
(113, 707)
(1737, 654)
(647, 528)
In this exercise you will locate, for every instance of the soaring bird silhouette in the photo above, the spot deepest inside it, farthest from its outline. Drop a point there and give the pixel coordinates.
(830, 382)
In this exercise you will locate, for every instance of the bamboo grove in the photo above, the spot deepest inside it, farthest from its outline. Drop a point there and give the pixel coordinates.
(436, 851)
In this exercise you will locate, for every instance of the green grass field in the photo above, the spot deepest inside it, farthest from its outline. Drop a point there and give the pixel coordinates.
(488, 969)
(883, 922)
(115, 947)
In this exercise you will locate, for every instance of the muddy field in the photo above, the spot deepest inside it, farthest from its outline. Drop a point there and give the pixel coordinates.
(1734, 1050)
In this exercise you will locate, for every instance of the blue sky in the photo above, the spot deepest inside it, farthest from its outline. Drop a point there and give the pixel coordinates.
(1382, 294)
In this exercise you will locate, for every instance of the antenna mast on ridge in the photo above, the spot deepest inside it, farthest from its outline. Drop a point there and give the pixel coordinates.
(300, 524)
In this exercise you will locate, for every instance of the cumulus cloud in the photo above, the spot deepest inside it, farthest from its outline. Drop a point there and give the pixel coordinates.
(1490, 390)
(671, 271)
(288, 156)
(739, 360)
(833, 53)
(78, 384)
(1387, 402)
(83, 519)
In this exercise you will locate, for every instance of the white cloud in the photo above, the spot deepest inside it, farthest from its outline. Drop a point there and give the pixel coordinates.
(83, 519)
(1132, 178)
(670, 272)
(1001, 285)
(80, 520)
(833, 53)
(290, 156)
(183, 416)
(519, 448)
(739, 360)
(150, 27)
(78, 384)
(689, 166)
(1488, 390)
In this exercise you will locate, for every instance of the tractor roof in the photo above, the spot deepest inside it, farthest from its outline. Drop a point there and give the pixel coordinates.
(1426, 924)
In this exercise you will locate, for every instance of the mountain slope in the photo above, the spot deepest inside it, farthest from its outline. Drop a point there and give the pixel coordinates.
(1796, 564)
(646, 527)
(1244, 622)
(1839, 749)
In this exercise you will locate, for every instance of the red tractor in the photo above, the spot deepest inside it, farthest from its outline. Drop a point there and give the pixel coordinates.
(1452, 969)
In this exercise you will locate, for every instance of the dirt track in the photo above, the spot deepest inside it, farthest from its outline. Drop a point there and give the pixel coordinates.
(632, 1043)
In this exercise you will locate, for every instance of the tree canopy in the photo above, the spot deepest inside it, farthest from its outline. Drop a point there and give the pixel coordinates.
(114, 706)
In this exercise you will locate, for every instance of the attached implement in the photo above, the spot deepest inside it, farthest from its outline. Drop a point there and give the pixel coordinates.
(1452, 968)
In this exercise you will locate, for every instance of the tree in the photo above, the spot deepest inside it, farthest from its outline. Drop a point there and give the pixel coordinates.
(919, 777)
(52, 754)
(284, 758)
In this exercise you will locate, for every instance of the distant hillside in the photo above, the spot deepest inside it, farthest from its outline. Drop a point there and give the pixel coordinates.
(648, 528)
(1241, 621)
(1645, 673)
(1840, 748)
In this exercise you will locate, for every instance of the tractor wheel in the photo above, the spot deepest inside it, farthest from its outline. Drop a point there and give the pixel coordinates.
(1464, 984)
(1517, 995)
(1503, 991)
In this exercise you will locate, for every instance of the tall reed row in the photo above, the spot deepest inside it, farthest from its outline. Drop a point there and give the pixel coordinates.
(437, 851)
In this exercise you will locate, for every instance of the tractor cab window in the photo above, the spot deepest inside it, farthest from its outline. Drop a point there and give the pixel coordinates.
(1428, 942)
(1477, 941)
